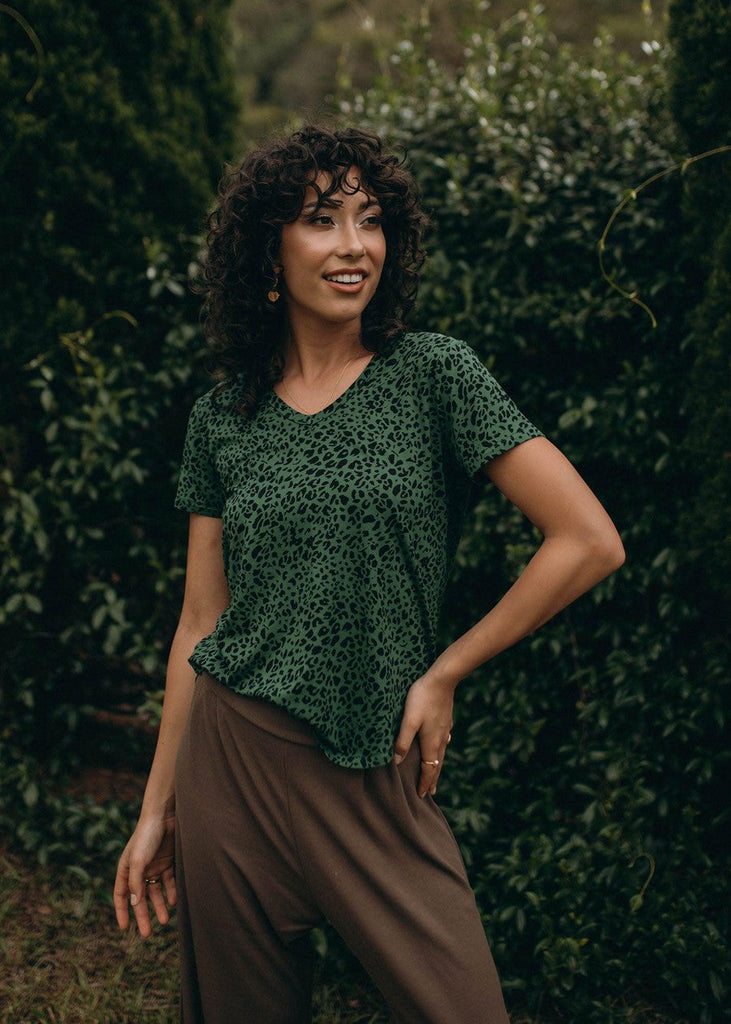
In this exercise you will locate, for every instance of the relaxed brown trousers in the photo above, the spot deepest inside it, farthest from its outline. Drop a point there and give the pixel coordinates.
(273, 838)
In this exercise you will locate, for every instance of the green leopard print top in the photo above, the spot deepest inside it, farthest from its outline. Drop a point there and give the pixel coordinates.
(339, 532)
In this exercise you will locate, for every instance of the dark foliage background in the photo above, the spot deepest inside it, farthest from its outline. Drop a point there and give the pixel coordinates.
(113, 140)
(588, 778)
(700, 84)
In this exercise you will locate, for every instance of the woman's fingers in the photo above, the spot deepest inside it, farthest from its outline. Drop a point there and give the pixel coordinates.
(156, 888)
(156, 897)
(162, 894)
(121, 896)
(171, 892)
(431, 768)
(138, 901)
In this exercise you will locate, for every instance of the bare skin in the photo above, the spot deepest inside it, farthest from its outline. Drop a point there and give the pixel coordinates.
(324, 357)
(331, 260)
(149, 852)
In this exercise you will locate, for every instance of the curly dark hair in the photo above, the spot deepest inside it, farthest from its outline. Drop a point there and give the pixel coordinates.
(246, 333)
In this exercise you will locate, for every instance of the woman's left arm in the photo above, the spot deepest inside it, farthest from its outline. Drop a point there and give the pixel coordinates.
(580, 547)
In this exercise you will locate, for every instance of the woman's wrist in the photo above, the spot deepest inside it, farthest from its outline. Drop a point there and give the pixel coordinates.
(464, 655)
(157, 808)
(444, 672)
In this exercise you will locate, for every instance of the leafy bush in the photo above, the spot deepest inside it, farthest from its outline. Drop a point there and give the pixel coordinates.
(586, 786)
(92, 573)
(700, 82)
(116, 126)
(114, 134)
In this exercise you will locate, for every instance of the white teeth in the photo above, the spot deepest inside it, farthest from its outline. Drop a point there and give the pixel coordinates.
(346, 278)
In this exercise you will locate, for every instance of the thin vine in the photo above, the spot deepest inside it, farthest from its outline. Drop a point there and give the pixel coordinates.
(638, 899)
(630, 197)
(28, 29)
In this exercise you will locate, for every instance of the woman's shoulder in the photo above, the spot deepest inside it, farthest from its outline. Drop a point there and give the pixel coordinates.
(431, 343)
(439, 352)
(222, 398)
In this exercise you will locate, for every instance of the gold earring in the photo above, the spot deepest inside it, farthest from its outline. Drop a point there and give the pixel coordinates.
(273, 293)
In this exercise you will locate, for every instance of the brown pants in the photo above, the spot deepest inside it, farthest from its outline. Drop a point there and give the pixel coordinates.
(273, 838)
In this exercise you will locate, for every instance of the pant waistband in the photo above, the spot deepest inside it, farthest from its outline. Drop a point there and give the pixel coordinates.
(262, 713)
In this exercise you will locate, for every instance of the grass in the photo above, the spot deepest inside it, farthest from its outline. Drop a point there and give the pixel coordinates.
(64, 961)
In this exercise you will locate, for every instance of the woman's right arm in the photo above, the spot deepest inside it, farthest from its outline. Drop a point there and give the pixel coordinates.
(150, 850)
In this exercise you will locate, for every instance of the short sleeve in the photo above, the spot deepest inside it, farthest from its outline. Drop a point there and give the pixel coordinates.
(481, 420)
(199, 485)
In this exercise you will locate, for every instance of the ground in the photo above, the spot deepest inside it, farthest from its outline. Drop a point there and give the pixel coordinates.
(64, 961)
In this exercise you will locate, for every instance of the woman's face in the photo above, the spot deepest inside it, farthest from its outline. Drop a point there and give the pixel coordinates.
(332, 256)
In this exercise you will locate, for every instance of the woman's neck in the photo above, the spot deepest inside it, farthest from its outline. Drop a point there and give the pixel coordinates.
(313, 355)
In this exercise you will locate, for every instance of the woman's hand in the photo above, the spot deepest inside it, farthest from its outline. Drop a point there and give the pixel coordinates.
(428, 715)
(146, 868)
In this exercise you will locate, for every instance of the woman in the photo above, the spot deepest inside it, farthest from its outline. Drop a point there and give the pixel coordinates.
(307, 707)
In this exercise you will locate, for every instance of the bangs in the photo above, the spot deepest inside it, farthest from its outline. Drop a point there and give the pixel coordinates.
(348, 180)
(347, 162)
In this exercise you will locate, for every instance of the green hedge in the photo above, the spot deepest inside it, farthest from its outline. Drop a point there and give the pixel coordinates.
(700, 83)
(116, 124)
(586, 784)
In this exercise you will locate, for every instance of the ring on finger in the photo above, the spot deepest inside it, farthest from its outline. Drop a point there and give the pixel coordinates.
(433, 764)
(153, 881)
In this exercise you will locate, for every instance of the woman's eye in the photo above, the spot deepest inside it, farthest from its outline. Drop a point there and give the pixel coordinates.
(321, 218)
(374, 220)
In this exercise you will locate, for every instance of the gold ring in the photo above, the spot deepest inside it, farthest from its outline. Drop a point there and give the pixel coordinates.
(152, 881)
(434, 764)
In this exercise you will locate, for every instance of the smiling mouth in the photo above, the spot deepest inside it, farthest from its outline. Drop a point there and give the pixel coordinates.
(345, 278)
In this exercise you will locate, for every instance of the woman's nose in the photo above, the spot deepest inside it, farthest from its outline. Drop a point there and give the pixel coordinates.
(350, 242)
